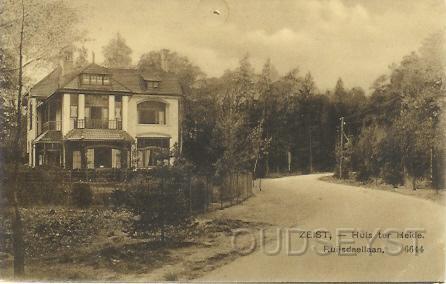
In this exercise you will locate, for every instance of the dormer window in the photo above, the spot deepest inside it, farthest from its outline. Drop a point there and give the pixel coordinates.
(149, 84)
(95, 79)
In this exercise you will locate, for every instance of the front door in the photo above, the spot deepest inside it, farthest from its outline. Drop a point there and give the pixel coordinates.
(102, 157)
(53, 158)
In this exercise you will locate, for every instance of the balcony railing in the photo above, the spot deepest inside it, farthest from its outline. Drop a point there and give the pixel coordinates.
(49, 125)
(96, 123)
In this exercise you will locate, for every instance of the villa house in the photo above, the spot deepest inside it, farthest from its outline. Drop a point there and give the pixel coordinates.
(97, 117)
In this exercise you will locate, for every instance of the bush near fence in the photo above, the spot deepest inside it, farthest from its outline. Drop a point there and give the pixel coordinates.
(53, 186)
(38, 186)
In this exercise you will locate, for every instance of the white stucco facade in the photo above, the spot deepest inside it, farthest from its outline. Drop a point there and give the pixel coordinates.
(103, 118)
(169, 130)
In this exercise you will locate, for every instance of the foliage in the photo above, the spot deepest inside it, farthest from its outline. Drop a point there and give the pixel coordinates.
(117, 53)
(39, 186)
(161, 204)
(54, 22)
(81, 194)
(367, 152)
(165, 60)
(82, 58)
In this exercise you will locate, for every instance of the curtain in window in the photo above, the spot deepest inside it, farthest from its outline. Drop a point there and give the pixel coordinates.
(73, 111)
(147, 154)
(77, 160)
(116, 158)
(90, 158)
(140, 159)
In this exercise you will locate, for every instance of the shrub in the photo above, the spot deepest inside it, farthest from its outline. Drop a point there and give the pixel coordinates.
(392, 174)
(36, 186)
(198, 195)
(81, 194)
(161, 206)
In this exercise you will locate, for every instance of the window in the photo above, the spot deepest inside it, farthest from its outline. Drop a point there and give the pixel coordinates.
(85, 79)
(118, 107)
(76, 159)
(102, 157)
(95, 79)
(116, 158)
(73, 105)
(151, 84)
(90, 158)
(151, 113)
(152, 151)
(73, 111)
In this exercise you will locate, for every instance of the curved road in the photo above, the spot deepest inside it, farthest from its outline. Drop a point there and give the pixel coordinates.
(306, 203)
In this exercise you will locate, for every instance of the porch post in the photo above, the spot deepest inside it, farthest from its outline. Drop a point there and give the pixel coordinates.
(63, 162)
(111, 112)
(83, 156)
(125, 116)
(33, 146)
(33, 105)
(65, 114)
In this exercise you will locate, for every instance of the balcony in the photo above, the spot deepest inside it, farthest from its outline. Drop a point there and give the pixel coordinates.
(49, 125)
(89, 123)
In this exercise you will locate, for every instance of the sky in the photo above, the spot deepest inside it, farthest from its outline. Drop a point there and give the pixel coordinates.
(355, 40)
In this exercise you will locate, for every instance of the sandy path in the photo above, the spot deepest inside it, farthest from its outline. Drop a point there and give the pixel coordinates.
(308, 203)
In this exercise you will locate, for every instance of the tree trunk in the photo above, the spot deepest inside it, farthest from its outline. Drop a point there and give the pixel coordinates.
(18, 243)
(267, 165)
(414, 183)
(311, 150)
(17, 225)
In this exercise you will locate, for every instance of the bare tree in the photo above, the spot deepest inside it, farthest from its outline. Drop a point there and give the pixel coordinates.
(34, 32)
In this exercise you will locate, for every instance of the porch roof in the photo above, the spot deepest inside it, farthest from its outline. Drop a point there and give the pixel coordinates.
(50, 136)
(98, 135)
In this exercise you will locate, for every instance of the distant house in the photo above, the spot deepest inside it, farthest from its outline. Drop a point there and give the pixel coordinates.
(97, 117)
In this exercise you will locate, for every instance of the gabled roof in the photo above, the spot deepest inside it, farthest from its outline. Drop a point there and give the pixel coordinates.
(122, 80)
(98, 135)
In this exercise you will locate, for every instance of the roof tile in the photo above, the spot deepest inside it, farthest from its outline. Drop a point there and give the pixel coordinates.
(122, 80)
(98, 134)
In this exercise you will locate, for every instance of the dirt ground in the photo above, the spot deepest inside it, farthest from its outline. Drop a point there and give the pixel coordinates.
(95, 244)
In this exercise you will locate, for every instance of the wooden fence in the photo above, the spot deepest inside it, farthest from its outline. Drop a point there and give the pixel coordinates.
(42, 186)
(234, 189)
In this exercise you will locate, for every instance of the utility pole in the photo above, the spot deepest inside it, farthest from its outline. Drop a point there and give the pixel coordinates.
(342, 147)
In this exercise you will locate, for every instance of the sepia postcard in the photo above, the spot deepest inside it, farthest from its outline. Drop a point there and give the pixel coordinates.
(222, 141)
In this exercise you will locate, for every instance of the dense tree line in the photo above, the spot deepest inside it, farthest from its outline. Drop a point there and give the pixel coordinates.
(268, 123)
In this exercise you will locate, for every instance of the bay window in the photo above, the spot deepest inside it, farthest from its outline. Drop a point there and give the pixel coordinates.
(152, 151)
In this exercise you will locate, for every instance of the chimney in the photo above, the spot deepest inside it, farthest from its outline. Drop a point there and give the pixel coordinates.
(67, 62)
